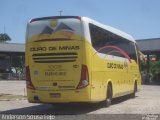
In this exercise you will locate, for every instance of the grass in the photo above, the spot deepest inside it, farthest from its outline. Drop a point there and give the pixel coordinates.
(10, 97)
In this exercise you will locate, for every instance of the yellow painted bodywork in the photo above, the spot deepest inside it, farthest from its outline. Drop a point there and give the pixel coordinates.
(100, 75)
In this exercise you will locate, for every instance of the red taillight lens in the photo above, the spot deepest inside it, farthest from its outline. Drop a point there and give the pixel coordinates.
(84, 81)
(78, 17)
(28, 79)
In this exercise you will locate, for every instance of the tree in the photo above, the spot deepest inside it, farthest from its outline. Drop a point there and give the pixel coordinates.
(17, 63)
(158, 57)
(155, 70)
(4, 37)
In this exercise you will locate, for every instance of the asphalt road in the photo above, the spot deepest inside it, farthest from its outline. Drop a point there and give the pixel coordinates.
(146, 106)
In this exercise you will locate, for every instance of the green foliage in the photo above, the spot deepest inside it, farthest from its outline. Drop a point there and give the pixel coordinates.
(4, 37)
(17, 63)
(143, 66)
(155, 68)
(158, 57)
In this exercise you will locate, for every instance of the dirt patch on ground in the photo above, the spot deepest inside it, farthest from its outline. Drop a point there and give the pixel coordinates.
(10, 97)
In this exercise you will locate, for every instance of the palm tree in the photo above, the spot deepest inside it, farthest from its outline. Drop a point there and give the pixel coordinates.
(4, 38)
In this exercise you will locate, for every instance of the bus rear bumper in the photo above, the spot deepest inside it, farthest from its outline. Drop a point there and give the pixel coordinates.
(66, 96)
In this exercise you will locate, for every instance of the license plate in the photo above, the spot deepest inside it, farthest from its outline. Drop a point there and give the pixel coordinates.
(55, 95)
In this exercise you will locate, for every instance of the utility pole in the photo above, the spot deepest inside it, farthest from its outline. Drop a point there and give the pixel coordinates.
(60, 12)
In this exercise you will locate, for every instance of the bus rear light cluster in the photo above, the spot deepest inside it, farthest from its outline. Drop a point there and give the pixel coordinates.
(84, 80)
(28, 79)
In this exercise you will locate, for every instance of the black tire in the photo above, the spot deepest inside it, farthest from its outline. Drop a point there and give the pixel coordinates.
(108, 96)
(133, 95)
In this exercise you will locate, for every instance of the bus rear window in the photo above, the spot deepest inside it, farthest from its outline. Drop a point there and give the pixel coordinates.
(54, 29)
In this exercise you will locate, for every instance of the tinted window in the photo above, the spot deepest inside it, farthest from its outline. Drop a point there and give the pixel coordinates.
(109, 43)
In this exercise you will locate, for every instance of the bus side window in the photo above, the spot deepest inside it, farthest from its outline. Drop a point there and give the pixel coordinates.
(109, 43)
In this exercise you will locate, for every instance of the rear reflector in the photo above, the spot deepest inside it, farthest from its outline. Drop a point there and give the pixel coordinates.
(28, 79)
(84, 81)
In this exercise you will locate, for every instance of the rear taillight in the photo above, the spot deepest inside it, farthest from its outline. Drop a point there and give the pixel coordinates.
(28, 79)
(84, 81)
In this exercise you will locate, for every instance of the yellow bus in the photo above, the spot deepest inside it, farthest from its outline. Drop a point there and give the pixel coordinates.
(77, 59)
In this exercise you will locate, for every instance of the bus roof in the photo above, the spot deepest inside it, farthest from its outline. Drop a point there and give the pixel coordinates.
(109, 28)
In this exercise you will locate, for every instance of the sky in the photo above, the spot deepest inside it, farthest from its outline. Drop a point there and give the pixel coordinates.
(139, 18)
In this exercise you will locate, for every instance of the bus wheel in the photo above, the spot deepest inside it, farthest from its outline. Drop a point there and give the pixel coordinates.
(109, 96)
(135, 90)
